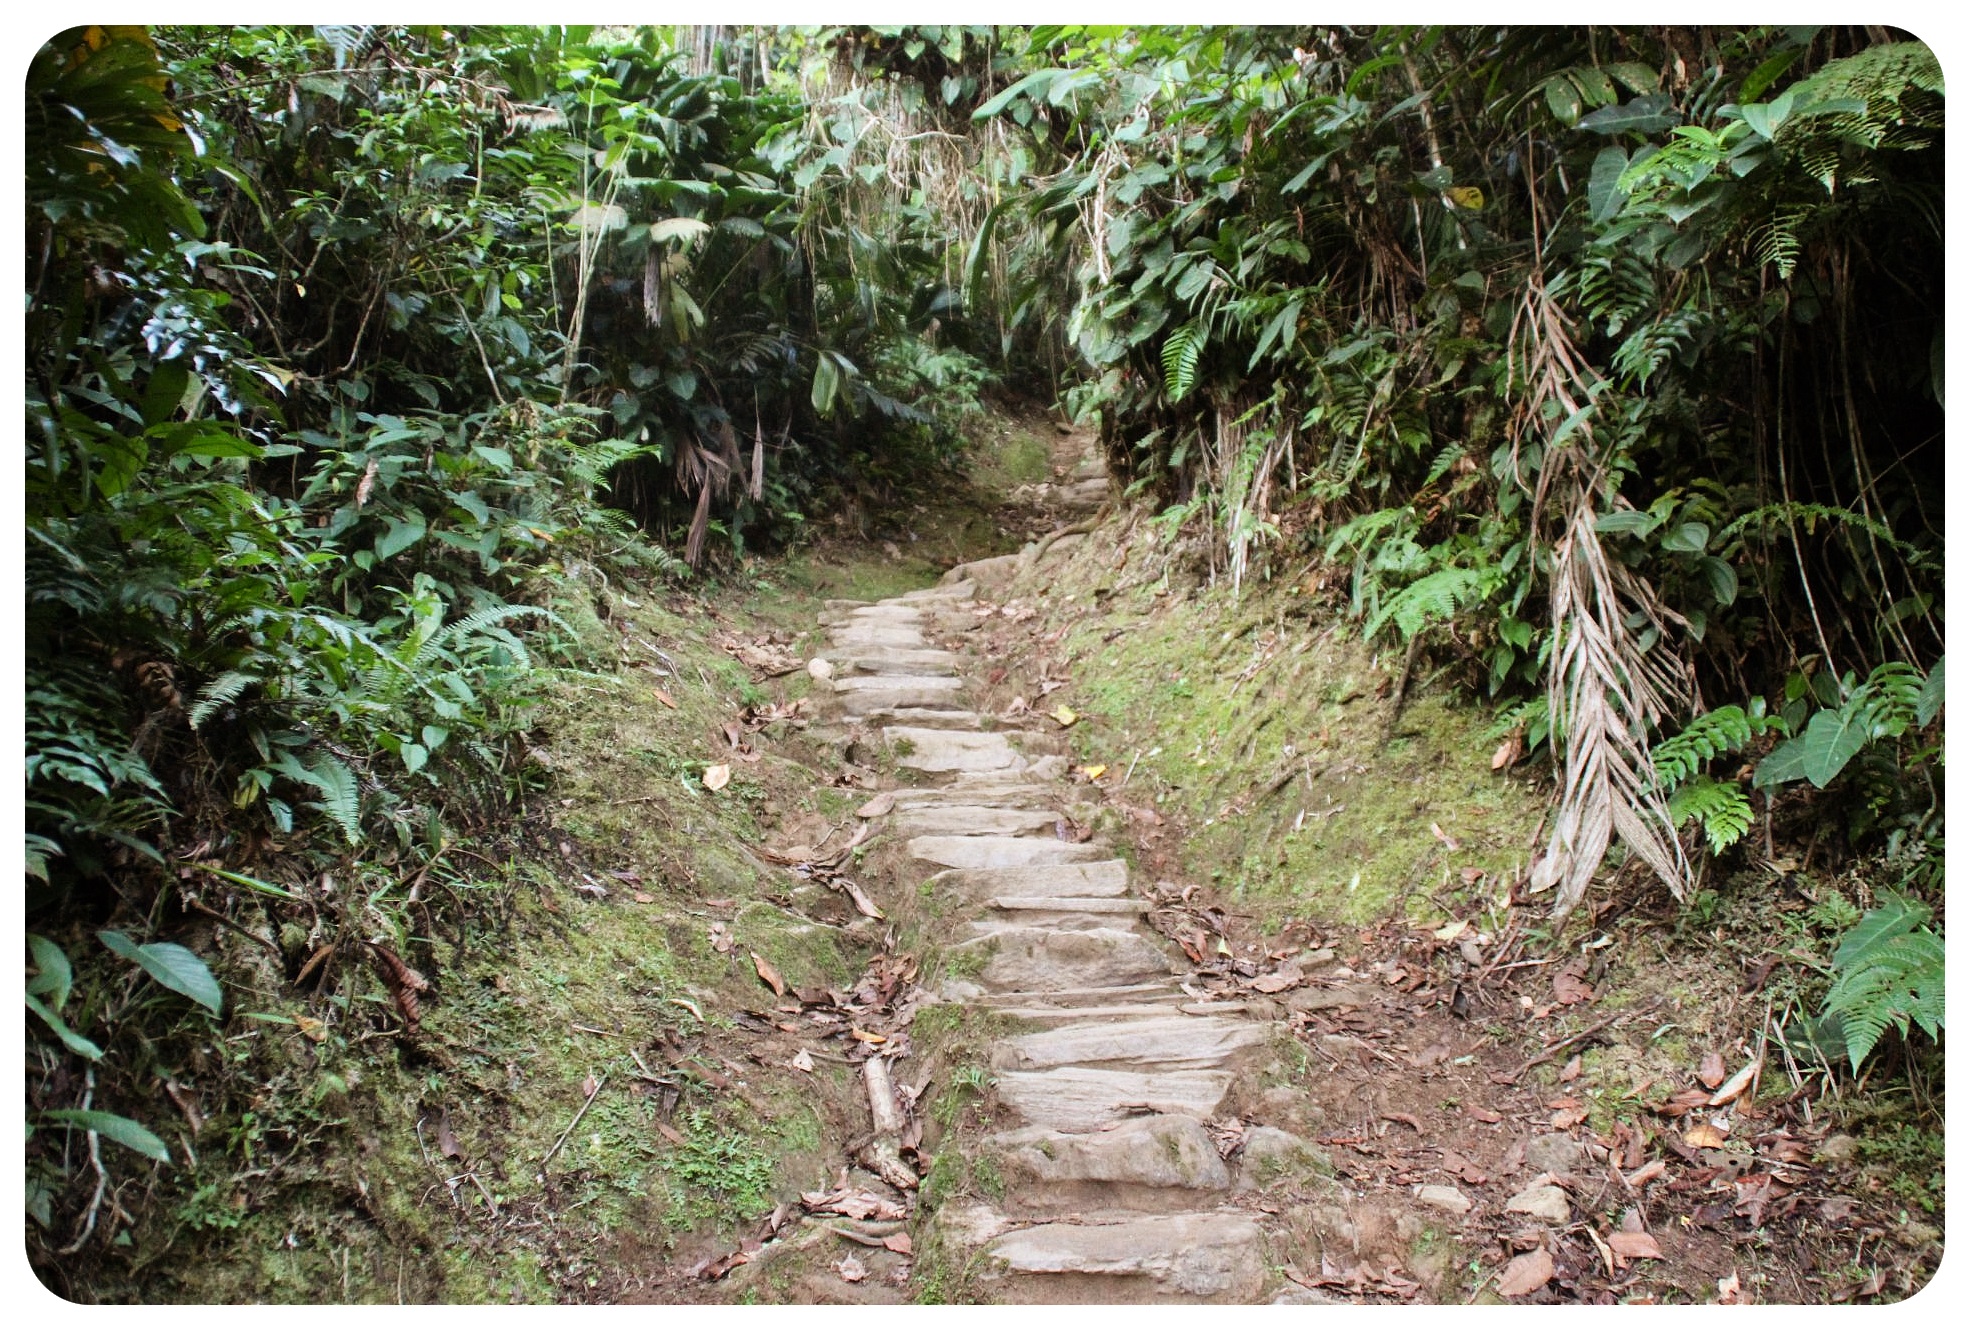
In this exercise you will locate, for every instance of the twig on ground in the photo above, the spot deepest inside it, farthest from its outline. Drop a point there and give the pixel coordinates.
(579, 1115)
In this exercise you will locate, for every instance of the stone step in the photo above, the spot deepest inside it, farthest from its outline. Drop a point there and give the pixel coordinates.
(1183, 1042)
(972, 820)
(1167, 1150)
(978, 794)
(957, 591)
(1103, 877)
(892, 660)
(921, 717)
(1070, 904)
(864, 637)
(999, 851)
(838, 605)
(1089, 1098)
(1182, 1258)
(1029, 959)
(1056, 997)
(951, 750)
(864, 692)
(1121, 1011)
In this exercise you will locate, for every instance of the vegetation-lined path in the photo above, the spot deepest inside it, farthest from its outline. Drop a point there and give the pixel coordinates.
(1115, 1189)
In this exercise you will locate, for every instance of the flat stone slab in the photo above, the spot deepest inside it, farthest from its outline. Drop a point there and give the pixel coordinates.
(860, 636)
(955, 591)
(1088, 1098)
(1038, 959)
(999, 851)
(1105, 877)
(1070, 904)
(1188, 1042)
(1014, 793)
(894, 660)
(927, 718)
(951, 750)
(1186, 1257)
(865, 691)
(973, 820)
(1165, 1151)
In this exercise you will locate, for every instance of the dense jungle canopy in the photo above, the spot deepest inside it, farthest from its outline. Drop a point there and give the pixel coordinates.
(1599, 370)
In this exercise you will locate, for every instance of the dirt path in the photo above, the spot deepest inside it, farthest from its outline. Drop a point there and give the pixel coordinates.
(1105, 1086)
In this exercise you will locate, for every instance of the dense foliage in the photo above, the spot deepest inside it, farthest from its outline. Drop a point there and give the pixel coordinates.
(1609, 359)
(1606, 362)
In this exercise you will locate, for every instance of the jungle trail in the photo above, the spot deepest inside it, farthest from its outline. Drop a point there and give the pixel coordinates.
(983, 664)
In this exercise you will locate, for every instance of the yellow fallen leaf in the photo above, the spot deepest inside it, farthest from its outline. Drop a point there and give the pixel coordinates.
(1465, 196)
(1094, 772)
(718, 777)
(1451, 931)
(1065, 715)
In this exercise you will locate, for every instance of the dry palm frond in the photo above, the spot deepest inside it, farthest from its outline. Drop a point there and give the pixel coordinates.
(1605, 691)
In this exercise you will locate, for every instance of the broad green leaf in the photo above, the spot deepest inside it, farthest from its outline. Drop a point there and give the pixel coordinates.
(400, 535)
(1785, 763)
(1722, 578)
(116, 1128)
(56, 976)
(1643, 115)
(678, 228)
(827, 383)
(1604, 193)
(1830, 742)
(173, 966)
(1687, 538)
(414, 756)
(1930, 703)
(75, 1042)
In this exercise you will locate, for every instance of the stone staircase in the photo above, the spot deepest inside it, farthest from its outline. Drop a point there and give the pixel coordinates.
(1116, 1190)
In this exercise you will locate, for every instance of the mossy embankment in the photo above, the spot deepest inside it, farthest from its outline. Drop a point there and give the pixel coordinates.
(1253, 738)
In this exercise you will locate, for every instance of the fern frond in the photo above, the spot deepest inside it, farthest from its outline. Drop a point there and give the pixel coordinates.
(1888, 971)
(1725, 730)
(1440, 467)
(216, 694)
(1432, 599)
(1181, 353)
(1719, 805)
(341, 797)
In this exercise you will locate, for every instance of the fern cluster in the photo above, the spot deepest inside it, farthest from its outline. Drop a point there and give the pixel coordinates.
(1888, 971)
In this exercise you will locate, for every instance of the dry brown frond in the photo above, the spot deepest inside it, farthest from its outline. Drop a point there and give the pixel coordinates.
(1605, 691)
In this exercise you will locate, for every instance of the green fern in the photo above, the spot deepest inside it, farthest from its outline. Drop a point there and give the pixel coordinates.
(1889, 971)
(1181, 353)
(341, 797)
(226, 688)
(1713, 734)
(1432, 599)
(1719, 805)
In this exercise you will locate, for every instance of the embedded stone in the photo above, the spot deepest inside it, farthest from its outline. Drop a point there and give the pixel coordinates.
(1105, 877)
(1184, 1257)
(1175, 1041)
(973, 820)
(1087, 1098)
(1542, 1202)
(950, 750)
(998, 851)
(1164, 1151)
(1444, 1198)
(1036, 959)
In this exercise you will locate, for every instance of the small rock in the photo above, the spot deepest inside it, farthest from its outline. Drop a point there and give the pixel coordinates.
(820, 668)
(1297, 1296)
(1554, 1152)
(1281, 1096)
(1444, 1198)
(1838, 1149)
(1548, 1203)
(1324, 956)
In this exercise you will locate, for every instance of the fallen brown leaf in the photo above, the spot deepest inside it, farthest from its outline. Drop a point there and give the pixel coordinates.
(718, 777)
(1525, 1274)
(1703, 1136)
(665, 698)
(1634, 1246)
(898, 1243)
(670, 1133)
(851, 1270)
(1737, 1084)
(1711, 1073)
(772, 977)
